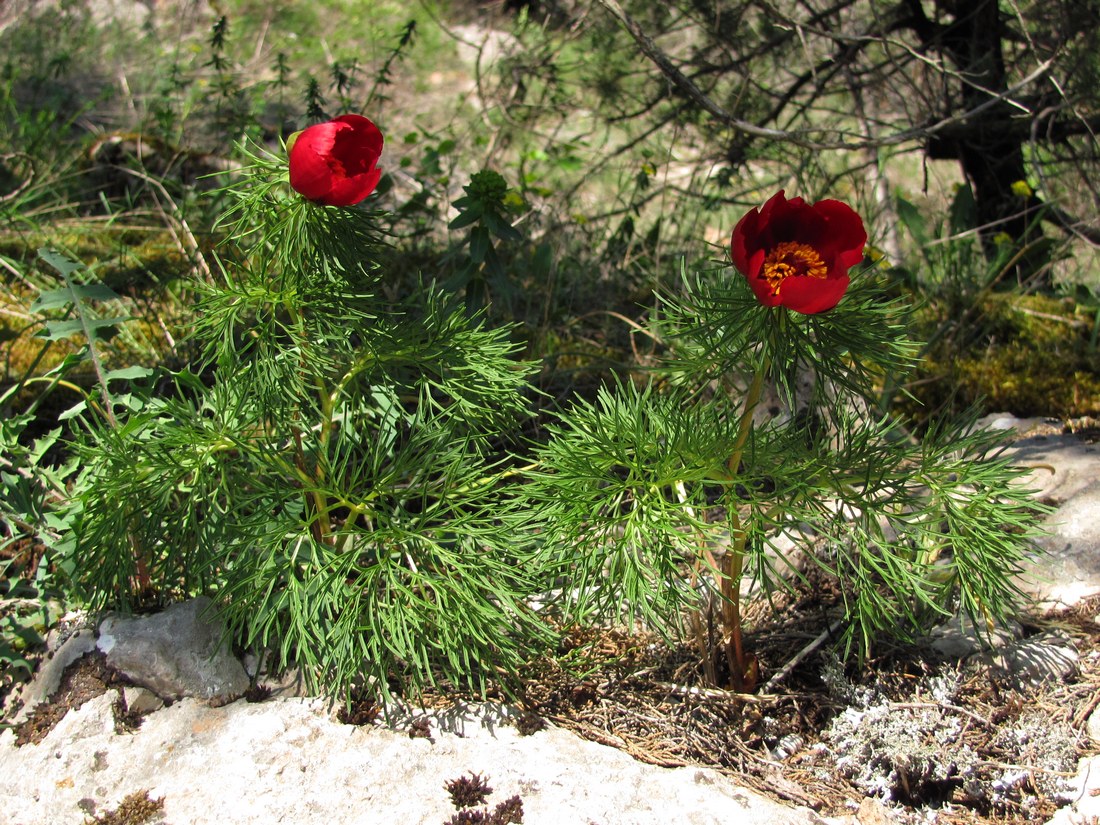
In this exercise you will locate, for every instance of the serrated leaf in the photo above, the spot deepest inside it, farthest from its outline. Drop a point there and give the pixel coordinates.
(134, 403)
(68, 362)
(42, 444)
(73, 411)
(129, 373)
(56, 330)
(55, 298)
(51, 299)
(58, 261)
(97, 292)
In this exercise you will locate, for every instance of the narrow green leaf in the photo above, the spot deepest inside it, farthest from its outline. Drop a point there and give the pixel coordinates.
(479, 244)
(913, 220)
(472, 215)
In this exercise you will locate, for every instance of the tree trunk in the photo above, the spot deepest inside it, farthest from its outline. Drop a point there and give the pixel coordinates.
(990, 154)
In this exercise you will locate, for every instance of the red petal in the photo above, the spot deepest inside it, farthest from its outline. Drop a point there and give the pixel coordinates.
(349, 191)
(367, 137)
(812, 295)
(744, 235)
(754, 232)
(798, 222)
(842, 247)
(310, 173)
(334, 163)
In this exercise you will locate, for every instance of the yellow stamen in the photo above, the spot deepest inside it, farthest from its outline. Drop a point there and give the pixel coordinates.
(791, 258)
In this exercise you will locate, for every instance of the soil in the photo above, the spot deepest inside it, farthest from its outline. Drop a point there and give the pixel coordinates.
(89, 677)
(966, 741)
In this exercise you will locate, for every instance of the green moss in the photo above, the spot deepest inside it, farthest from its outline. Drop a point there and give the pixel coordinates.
(1026, 354)
(137, 263)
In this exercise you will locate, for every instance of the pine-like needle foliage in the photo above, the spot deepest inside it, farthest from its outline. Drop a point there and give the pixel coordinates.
(333, 477)
(655, 495)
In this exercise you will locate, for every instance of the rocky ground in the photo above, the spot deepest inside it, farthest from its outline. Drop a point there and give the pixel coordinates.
(146, 720)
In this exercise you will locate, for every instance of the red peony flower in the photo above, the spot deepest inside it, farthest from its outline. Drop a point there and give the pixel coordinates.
(796, 255)
(335, 163)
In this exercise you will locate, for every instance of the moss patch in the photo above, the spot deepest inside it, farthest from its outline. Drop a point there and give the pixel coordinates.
(1029, 355)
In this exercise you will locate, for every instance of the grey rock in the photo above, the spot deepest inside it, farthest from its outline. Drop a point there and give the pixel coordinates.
(48, 679)
(1049, 657)
(1008, 421)
(1061, 465)
(1064, 473)
(959, 638)
(175, 653)
(1068, 569)
(285, 761)
(141, 701)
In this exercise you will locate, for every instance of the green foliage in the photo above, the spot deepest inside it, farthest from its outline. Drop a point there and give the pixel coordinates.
(76, 299)
(986, 342)
(336, 485)
(624, 485)
(341, 464)
(25, 617)
(485, 209)
(657, 497)
(37, 477)
(718, 331)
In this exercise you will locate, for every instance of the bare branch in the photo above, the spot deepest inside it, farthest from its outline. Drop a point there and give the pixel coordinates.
(803, 138)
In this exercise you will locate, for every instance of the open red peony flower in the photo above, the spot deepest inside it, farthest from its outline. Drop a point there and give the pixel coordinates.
(796, 255)
(335, 163)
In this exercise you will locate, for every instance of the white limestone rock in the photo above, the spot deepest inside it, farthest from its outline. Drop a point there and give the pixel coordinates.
(286, 761)
(1068, 569)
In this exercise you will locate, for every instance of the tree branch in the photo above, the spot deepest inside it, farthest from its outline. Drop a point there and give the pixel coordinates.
(802, 137)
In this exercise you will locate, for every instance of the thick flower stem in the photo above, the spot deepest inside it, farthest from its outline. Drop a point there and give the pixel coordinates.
(752, 398)
(741, 669)
(732, 567)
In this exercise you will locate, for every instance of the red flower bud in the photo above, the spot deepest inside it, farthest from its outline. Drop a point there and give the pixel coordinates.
(796, 255)
(335, 163)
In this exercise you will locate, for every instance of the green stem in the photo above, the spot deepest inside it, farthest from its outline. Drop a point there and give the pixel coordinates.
(61, 382)
(756, 389)
(321, 524)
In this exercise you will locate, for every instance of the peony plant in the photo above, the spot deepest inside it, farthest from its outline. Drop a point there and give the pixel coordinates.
(664, 498)
(329, 471)
(334, 471)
